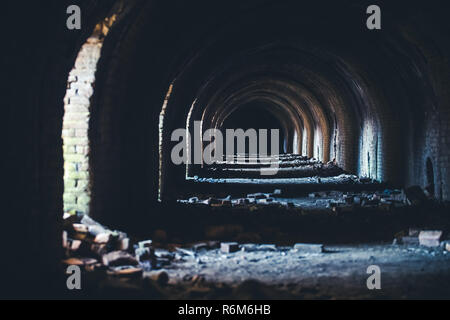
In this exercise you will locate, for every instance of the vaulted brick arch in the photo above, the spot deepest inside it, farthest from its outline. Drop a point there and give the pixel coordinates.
(383, 94)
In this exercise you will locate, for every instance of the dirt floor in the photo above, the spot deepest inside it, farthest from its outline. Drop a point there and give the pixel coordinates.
(184, 260)
(340, 272)
(261, 272)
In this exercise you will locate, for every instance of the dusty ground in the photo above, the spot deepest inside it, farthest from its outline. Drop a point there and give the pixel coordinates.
(406, 272)
(201, 271)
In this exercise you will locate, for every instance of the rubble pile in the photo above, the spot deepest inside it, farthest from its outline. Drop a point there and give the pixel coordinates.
(250, 200)
(292, 187)
(337, 201)
(348, 201)
(416, 196)
(94, 247)
(289, 166)
(426, 238)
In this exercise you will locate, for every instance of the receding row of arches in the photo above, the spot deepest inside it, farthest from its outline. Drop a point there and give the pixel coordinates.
(358, 105)
(377, 101)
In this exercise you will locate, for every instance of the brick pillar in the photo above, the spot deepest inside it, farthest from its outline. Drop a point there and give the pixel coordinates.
(75, 127)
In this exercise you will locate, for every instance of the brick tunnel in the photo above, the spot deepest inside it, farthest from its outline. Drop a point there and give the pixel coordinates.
(90, 115)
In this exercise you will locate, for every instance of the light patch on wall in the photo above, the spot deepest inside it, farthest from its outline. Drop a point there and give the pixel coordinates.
(295, 143)
(162, 114)
(80, 87)
(368, 151)
(305, 143)
(318, 144)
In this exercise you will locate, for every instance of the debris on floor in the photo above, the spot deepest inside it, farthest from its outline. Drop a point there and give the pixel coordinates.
(227, 254)
(426, 238)
(336, 201)
(430, 238)
(96, 248)
(212, 269)
(308, 248)
(289, 166)
(229, 247)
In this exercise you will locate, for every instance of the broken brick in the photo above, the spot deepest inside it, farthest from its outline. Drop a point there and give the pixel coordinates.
(229, 247)
(118, 258)
(408, 240)
(309, 248)
(430, 238)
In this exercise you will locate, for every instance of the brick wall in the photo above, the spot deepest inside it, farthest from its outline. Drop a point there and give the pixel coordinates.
(75, 127)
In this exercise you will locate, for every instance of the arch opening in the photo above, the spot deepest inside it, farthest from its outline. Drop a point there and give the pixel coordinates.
(77, 103)
(256, 116)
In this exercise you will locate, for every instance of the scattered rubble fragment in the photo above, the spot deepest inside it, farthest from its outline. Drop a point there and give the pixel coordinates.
(426, 238)
(195, 265)
(127, 271)
(185, 252)
(308, 248)
(430, 238)
(408, 240)
(336, 201)
(97, 248)
(119, 258)
(289, 166)
(229, 247)
(79, 261)
(251, 247)
(193, 200)
(144, 254)
(266, 247)
(276, 192)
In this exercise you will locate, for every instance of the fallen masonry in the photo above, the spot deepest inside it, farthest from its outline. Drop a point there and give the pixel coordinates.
(410, 240)
(227, 254)
(336, 201)
(430, 238)
(213, 269)
(309, 248)
(229, 247)
(426, 238)
(112, 254)
(288, 166)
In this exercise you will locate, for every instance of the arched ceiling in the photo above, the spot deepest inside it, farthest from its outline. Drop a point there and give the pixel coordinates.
(346, 89)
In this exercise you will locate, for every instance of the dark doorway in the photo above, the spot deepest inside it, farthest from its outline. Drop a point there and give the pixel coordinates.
(256, 116)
